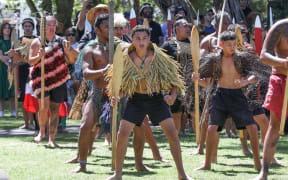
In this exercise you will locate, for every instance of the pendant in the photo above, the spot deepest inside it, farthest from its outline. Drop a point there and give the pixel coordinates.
(142, 65)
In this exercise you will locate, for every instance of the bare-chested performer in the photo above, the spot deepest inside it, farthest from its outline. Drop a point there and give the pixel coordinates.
(56, 74)
(145, 77)
(232, 70)
(95, 65)
(274, 53)
(209, 45)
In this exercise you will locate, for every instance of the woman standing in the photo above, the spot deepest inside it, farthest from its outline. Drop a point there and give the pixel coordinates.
(5, 91)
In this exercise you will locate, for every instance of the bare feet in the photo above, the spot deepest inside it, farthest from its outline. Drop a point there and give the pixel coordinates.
(38, 138)
(72, 161)
(81, 168)
(247, 152)
(275, 161)
(24, 127)
(161, 159)
(258, 166)
(142, 167)
(197, 152)
(261, 176)
(204, 167)
(52, 144)
(115, 177)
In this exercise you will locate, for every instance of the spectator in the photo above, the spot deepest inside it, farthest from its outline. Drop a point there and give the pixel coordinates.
(91, 16)
(209, 28)
(119, 23)
(28, 27)
(146, 12)
(5, 91)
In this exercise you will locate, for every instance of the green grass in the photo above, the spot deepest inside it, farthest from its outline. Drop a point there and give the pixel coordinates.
(21, 159)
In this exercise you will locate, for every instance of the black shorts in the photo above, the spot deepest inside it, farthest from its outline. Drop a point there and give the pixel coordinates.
(23, 76)
(258, 111)
(57, 95)
(230, 102)
(140, 105)
(177, 107)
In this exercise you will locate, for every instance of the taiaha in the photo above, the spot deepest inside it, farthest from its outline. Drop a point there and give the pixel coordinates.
(198, 17)
(220, 24)
(239, 46)
(43, 43)
(271, 17)
(111, 53)
(146, 23)
(195, 51)
(116, 83)
(133, 21)
(15, 44)
(169, 28)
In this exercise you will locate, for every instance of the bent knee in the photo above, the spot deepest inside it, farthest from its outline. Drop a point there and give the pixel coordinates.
(212, 129)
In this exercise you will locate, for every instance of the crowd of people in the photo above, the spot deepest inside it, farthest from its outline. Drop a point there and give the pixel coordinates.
(238, 87)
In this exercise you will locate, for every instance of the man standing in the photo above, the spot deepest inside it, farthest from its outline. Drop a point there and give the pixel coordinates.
(144, 67)
(56, 74)
(28, 27)
(274, 53)
(179, 49)
(146, 12)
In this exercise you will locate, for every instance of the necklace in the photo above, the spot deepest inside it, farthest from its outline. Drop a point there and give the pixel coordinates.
(143, 60)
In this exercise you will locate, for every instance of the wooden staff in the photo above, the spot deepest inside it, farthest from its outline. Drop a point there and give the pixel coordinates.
(16, 90)
(43, 42)
(116, 83)
(284, 108)
(14, 44)
(239, 46)
(195, 51)
(111, 53)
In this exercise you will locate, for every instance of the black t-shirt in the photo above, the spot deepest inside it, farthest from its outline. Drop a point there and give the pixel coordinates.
(171, 47)
(155, 30)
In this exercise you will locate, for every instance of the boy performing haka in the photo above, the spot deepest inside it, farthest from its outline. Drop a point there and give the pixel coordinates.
(232, 70)
(275, 54)
(147, 72)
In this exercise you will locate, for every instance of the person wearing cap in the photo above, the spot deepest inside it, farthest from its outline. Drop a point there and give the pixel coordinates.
(146, 12)
(91, 15)
(28, 27)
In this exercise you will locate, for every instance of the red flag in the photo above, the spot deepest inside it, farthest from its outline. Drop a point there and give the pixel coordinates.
(169, 23)
(133, 22)
(258, 35)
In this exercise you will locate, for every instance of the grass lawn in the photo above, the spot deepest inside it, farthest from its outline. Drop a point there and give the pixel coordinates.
(21, 159)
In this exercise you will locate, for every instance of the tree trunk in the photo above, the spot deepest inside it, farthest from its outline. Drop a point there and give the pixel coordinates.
(64, 15)
(47, 6)
(33, 8)
(187, 4)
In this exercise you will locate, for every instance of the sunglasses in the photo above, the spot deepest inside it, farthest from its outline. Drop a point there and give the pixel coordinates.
(71, 34)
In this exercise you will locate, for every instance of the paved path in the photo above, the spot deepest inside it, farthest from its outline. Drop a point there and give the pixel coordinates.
(27, 132)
